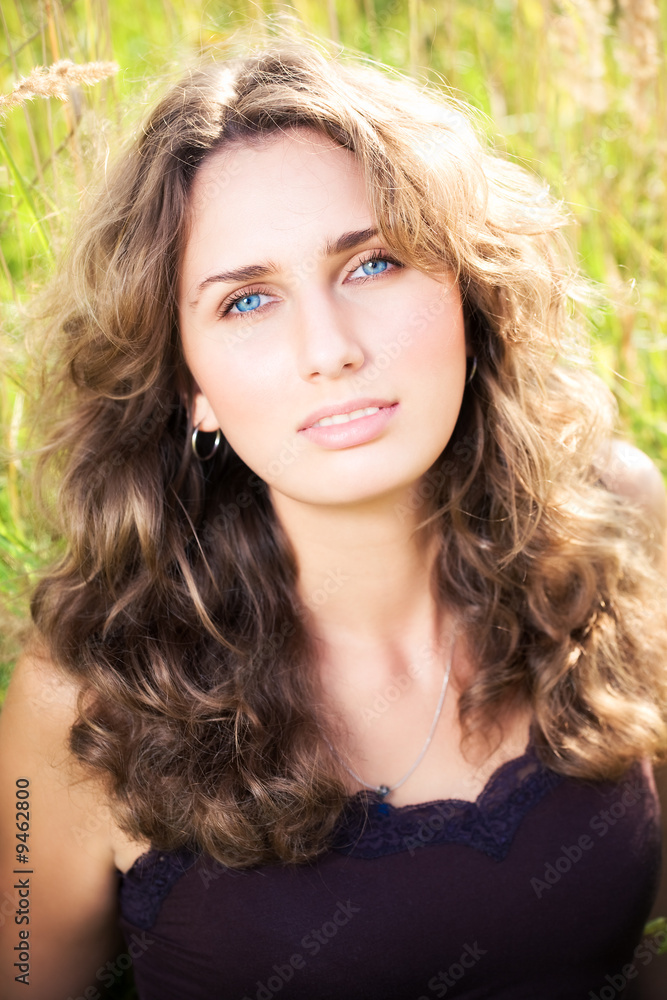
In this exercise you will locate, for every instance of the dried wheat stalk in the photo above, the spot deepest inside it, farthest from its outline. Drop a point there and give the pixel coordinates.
(56, 81)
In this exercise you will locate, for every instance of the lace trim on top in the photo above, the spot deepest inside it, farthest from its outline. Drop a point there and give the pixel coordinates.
(148, 882)
(372, 828)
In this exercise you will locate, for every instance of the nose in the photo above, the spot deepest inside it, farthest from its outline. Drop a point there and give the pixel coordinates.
(326, 335)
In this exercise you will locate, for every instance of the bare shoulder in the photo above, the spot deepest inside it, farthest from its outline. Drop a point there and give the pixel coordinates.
(627, 470)
(41, 705)
(56, 827)
(38, 684)
(39, 710)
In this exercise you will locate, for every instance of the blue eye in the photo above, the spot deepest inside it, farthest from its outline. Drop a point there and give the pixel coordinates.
(374, 266)
(248, 303)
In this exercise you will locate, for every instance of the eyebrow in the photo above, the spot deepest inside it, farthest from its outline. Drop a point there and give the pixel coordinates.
(251, 272)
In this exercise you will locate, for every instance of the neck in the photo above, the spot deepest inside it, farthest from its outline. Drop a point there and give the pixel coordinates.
(365, 576)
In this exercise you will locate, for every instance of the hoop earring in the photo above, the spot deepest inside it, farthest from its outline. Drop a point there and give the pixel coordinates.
(216, 445)
(472, 371)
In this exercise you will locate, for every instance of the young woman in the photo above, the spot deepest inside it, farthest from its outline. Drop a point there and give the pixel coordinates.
(351, 673)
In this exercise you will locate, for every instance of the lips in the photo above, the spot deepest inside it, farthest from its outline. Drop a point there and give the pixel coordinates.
(348, 407)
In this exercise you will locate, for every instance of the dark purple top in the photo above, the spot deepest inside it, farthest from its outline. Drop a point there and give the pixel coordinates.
(539, 890)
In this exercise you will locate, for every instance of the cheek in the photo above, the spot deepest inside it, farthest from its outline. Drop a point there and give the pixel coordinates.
(437, 347)
(426, 319)
(236, 379)
(238, 406)
(435, 373)
(246, 403)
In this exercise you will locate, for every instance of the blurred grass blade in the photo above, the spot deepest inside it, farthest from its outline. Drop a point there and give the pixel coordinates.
(26, 194)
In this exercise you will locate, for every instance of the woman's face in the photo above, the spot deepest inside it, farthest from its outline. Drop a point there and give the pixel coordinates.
(290, 304)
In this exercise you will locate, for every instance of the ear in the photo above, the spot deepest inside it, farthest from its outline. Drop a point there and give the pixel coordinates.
(203, 416)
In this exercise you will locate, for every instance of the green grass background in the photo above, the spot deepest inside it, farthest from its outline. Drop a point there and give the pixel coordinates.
(570, 90)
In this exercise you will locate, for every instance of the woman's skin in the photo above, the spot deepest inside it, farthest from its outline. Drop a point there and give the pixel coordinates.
(313, 330)
(314, 336)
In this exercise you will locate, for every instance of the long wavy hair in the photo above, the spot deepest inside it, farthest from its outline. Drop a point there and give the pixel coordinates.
(174, 601)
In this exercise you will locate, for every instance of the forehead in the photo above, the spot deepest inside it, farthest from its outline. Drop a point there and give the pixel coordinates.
(293, 157)
(285, 192)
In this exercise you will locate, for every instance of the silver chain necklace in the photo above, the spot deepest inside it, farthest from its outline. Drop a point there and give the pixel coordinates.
(384, 790)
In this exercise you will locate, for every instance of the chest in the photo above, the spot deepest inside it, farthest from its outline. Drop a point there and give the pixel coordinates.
(399, 739)
(394, 913)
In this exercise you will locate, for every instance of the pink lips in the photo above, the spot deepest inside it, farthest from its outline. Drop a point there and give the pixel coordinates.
(347, 407)
(352, 432)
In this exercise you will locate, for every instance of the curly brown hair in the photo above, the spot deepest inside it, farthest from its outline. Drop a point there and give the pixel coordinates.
(198, 691)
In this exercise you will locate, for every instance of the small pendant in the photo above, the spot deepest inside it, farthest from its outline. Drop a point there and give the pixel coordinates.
(382, 791)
